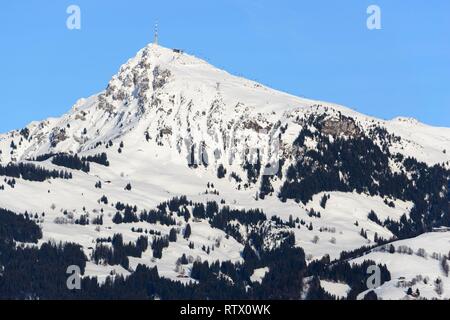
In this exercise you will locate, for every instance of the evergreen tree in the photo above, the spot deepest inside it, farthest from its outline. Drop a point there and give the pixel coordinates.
(117, 219)
(184, 260)
(173, 235)
(221, 172)
(371, 295)
(187, 231)
(323, 201)
(409, 292)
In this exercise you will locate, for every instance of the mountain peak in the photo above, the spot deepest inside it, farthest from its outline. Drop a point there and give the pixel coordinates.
(176, 100)
(154, 55)
(177, 159)
(406, 120)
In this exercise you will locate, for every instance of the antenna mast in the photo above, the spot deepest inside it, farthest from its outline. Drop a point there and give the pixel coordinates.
(156, 34)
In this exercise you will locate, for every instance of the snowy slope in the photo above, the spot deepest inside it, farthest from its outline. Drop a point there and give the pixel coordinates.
(181, 98)
(161, 106)
(411, 269)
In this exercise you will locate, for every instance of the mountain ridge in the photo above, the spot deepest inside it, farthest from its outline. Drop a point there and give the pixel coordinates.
(173, 141)
(136, 88)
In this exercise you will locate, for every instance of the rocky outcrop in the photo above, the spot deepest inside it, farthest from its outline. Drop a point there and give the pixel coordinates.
(342, 126)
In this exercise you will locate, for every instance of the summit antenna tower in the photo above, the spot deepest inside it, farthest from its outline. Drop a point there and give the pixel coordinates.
(156, 35)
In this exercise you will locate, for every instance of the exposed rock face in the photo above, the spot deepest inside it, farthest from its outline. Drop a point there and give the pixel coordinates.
(165, 131)
(160, 77)
(170, 97)
(341, 127)
(104, 104)
(253, 125)
(171, 125)
(57, 136)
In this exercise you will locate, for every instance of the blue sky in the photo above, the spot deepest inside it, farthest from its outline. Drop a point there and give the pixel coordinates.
(318, 49)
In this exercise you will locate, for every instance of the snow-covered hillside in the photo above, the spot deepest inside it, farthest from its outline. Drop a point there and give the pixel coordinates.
(417, 264)
(172, 125)
(181, 100)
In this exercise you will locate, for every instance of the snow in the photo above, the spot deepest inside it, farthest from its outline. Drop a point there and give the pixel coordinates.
(421, 141)
(340, 290)
(101, 272)
(198, 103)
(406, 269)
(259, 274)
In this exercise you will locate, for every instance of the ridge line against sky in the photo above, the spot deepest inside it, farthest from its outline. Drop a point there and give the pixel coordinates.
(321, 50)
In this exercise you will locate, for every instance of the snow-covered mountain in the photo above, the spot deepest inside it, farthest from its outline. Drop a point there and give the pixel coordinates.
(180, 100)
(171, 125)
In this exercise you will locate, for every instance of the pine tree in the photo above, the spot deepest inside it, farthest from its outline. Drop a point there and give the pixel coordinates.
(291, 221)
(184, 260)
(363, 233)
(221, 172)
(323, 202)
(187, 231)
(445, 266)
(371, 295)
(173, 235)
(186, 214)
(391, 249)
(117, 219)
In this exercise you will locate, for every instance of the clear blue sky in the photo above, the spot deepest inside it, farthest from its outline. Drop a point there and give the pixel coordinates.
(319, 49)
